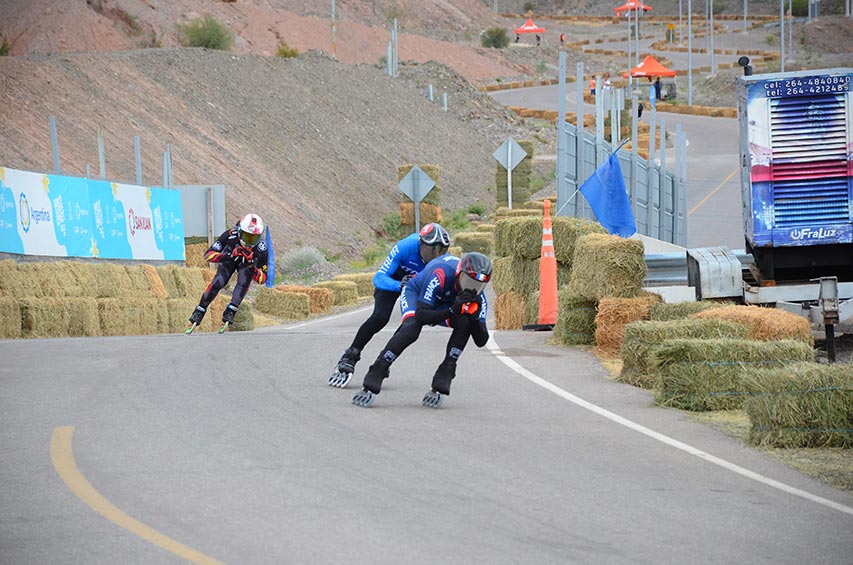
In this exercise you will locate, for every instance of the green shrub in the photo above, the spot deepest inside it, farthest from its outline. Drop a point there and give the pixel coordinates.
(303, 265)
(477, 208)
(495, 37)
(285, 51)
(392, 224)
(205, 32)
(528, 6)
(800, 8)
(4, 46)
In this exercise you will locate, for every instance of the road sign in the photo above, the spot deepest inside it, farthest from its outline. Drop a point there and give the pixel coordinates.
(509, 155)
(416, 185)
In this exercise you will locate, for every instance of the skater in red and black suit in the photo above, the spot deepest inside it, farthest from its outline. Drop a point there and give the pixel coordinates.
(242, 249)
(448, 292)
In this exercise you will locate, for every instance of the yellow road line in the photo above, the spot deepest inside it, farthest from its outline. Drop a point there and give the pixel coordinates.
(712, 193)
(66, 468)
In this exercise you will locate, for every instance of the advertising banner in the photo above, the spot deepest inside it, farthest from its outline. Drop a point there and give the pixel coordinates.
(64, 216)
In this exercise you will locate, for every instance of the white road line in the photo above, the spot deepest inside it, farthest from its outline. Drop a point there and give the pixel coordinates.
(329, 318)
(509, 362)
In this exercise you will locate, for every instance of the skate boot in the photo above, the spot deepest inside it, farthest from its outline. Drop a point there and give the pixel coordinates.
(372, 383)
(196, 318)
(440, 384)
(343, 372)
(228, 317)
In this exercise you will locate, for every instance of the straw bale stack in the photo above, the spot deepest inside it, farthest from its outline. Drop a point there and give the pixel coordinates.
(10, 317)
(154, 282)
(182, 282)
(58, 317)
(614, 314)
(111, 280)
(429, 213)
(166, 273)
(523, 236)
(481, 242)
(363, 281)
(83, 317)
(765, 324)
(6, 266)
(488, 228)
(284, 304)
(665, 312)
(505, 213)
(455, 250)
(194, 254)
(531, 308)
(140, 284)
(319, 299)
(345, 292)
(575, 320)
(178, 311)
(643, 337)
(140, 316)
(710, 374)
(509, 311)
(244, 320)
(18, 281)
(433, 196)
(607, 266)
(803, 405)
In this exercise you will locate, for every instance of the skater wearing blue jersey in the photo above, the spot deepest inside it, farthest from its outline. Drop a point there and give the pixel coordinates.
(448, 292)
(406, 259)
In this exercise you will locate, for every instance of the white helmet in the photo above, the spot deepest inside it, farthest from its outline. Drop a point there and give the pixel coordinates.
(251, 229)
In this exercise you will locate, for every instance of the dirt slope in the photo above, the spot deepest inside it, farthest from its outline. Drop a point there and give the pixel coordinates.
(310, 143)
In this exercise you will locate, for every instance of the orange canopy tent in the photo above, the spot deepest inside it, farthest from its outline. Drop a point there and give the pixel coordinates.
(529, 27)
(650, 68)
(632, 5)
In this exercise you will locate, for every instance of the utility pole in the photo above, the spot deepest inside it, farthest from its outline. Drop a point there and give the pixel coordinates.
(689, 53)
(782, 34)
(334, 50)
(711, 32)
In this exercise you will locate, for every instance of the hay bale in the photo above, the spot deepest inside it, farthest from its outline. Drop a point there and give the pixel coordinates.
(44, 317)
(7, 267)
(509, 311)
(429, 213)
(575, 320)
(607, 266)
(83, 319)
(158, 290)
(140, 316)
(319, 299)
(178, 311)
(488, 228)
(664, 312)
(17, 281)
(363, 281)
(345, 292)
(433, 196)
(567, 232)
(139, 282)
(481, 242)
(522, 236)
(455, 250)
(531, 308)
(281, 304)
(68, 280)
(185, 282)
(167, 278)
(765, 324)
(111, 281)
(502, 275)
(194, 255)
(642, 338)
(10, 316)
(803, 405)
(244, 319)
(616, 313)
(710, 374)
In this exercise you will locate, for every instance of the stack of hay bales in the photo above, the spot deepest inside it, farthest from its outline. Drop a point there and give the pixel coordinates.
(194, 255)
(430, 208)
(521, 190)
(518, 246)
(318, 301)
(802, 405)
(73, 298)
(344, 293)
(479, 241)
(363, 282)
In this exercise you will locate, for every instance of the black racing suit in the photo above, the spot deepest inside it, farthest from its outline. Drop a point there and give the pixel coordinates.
(223, 253)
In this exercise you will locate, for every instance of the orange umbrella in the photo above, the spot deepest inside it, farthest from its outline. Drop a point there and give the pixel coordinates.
(651, 68)
(529, 27)
(632, 5)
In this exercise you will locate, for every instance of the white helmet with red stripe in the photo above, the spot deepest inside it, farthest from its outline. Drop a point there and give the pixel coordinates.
(251, 229)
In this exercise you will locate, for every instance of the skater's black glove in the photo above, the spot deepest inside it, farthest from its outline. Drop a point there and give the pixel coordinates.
(466, 302)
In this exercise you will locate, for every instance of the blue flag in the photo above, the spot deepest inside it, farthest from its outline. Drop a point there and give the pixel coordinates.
(270, 261)
(605, 191)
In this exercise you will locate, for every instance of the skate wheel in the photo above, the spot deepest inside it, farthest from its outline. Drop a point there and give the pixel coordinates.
(433, 399)
(363, 398)
(339, 379)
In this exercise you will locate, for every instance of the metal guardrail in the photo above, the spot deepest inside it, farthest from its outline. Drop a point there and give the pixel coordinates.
(670, 269)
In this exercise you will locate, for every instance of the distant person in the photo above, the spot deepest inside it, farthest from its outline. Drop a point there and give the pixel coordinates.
(640, 109)
(607, 83)
(517, 38)
(562, 38)
(592, 86)
(406, 259)
(538, 40)
(658, 87)
(241, 249)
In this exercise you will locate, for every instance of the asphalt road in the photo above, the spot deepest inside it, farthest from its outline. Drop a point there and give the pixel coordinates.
(713, 180)
(231, 448)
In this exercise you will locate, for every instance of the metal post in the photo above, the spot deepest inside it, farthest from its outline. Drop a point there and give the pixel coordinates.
(444, 101)
(683, 203)
(430, 93)
(88, 171)
(662, 180)
(389, 55)
(711, 32)
(417, 199)
(630, 80)
(210, 234)
(689, 53)
(579, 169)
(744, 15)
(102, 167)
(54, 143)
(791, 29)
(138, 159)
(614, 125)
(509, 175)
(782, 33)
(396, 47)
(637, 34)
(561, 133)
(334, 49)
(599, 114)
(165, 171)
(677, 235)
(680, 32)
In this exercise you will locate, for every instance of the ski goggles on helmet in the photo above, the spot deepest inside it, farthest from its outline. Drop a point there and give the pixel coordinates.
(475, 282)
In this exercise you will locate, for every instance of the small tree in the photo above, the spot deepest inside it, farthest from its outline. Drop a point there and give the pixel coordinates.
(205, 32)
(4, 46)
(495, 37)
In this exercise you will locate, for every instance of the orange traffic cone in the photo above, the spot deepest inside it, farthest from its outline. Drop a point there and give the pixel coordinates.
(547, 278)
